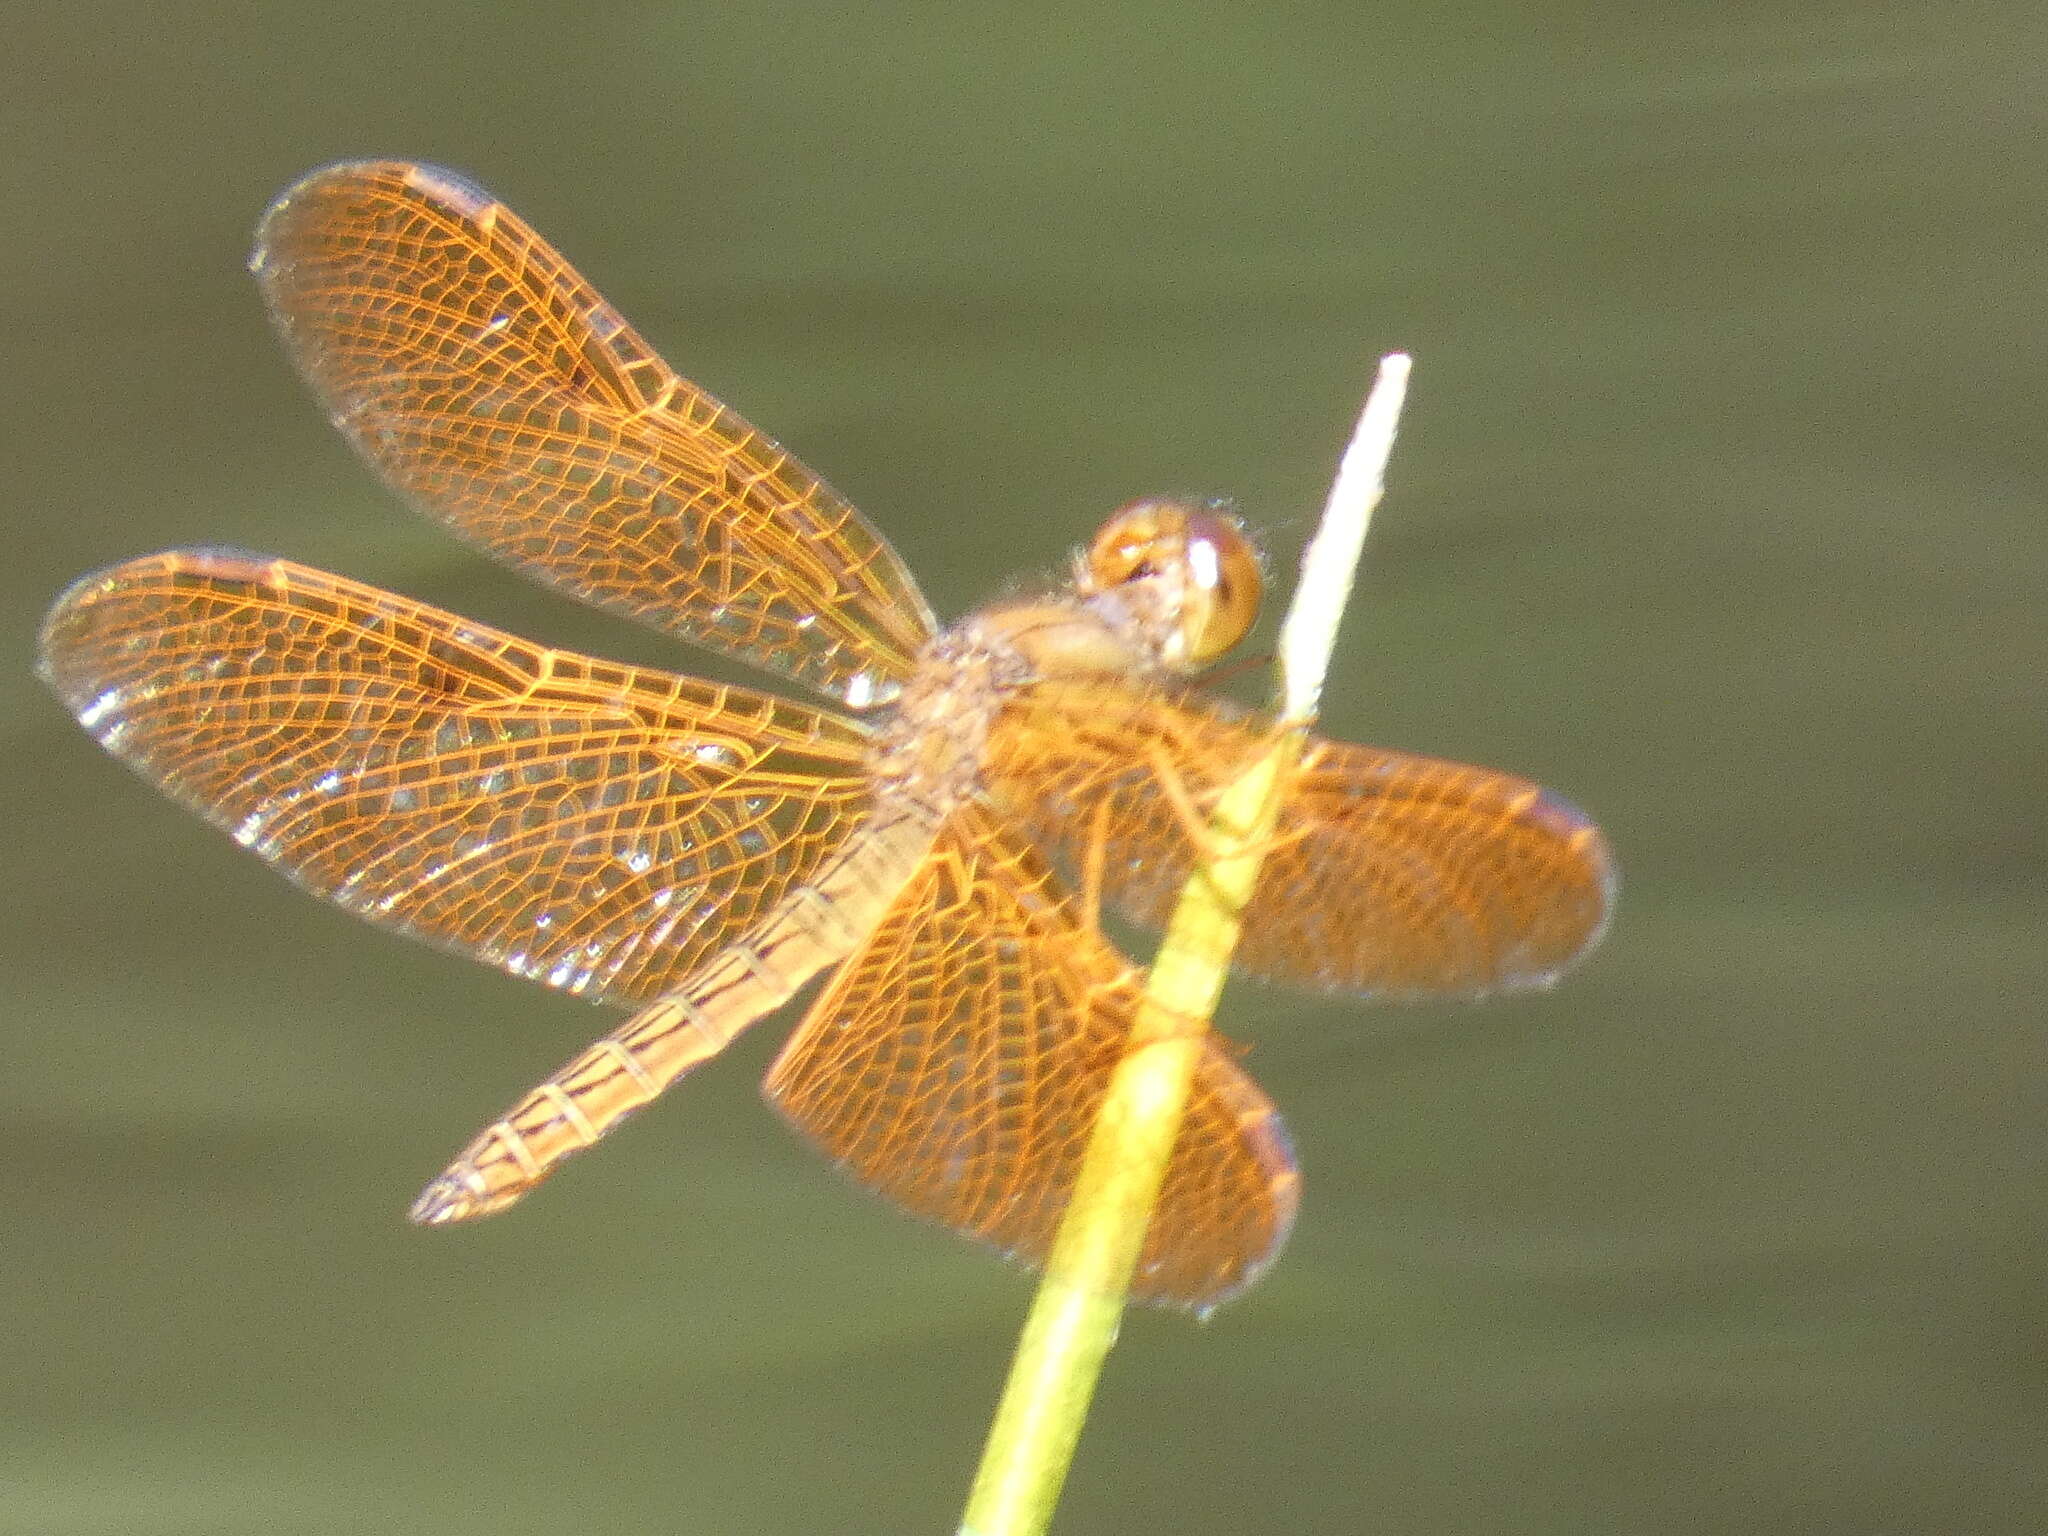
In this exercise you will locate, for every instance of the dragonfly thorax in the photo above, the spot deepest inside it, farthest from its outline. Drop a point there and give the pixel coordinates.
(930, 747)
(1163, 589)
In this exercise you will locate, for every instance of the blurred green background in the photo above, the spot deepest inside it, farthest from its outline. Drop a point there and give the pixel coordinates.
(1720, 507)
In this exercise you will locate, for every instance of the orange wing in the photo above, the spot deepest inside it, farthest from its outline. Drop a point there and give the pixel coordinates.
(1389, 875)
(597, 827)
(955, 1063)
(490, 383)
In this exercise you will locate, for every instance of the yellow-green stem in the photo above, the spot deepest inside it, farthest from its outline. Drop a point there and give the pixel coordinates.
(1074, 1316)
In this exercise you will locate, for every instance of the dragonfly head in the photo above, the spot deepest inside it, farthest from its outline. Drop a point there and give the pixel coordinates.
(1183, 574)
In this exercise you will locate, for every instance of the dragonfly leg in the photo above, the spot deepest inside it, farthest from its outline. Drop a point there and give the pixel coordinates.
(1194, 820)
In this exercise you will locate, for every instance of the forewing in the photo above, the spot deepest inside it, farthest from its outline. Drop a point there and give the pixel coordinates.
(1389, 874)
(490, 383)
(592, 826)
(956, 1061)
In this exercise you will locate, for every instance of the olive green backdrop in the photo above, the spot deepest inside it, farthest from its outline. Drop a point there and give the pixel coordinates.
(1720, 507)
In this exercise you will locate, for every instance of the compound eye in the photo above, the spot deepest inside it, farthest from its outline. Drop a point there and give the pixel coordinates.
(1225, 585)
(1134, 543)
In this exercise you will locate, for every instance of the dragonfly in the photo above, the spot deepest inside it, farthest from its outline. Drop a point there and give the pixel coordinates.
(937, 838)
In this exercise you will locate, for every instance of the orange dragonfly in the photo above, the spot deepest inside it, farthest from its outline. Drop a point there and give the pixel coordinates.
(700, 852)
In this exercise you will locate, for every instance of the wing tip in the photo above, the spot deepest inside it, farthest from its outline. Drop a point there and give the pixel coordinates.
(1582, 835)
(1274, 1147)
(448, 189)
(68, 617)
(1544, 959)
(306, 188)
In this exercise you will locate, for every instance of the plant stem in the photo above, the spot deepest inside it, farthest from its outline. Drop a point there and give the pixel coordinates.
(1074, 1316)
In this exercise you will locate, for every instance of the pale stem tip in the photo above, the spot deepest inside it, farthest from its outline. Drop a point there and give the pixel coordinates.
(1329, 563)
